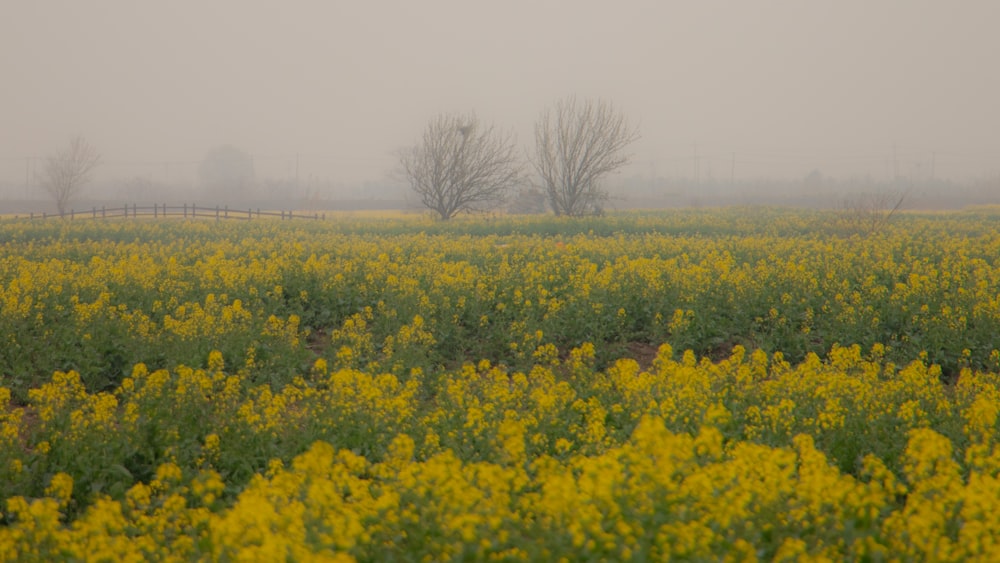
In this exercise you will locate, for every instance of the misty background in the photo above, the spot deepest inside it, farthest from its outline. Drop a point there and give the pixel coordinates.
(776, 102)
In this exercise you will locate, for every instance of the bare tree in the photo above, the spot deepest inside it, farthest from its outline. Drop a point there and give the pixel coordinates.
(67, 171)
(461, 165)
(577, 144)
(869, 213)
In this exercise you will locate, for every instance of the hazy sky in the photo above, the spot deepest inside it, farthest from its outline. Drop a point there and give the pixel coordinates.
(782, 86)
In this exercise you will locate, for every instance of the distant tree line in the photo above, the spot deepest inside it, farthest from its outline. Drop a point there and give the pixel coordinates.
(460, 164)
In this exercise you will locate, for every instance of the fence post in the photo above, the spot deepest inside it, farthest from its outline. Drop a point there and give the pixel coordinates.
(194, 212)
(226, 212)
(134, 214)
(32, 215)
(103, 212)
(216, 212)
(43, 215)
(258, 213)
(72, 214)
(93, 212)
(249, 213)
(154, 211)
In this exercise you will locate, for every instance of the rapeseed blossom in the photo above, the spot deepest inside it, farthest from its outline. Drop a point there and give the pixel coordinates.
(265, 391)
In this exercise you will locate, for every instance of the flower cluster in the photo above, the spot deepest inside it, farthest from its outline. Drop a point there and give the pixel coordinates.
(632, 387)
(750, 456)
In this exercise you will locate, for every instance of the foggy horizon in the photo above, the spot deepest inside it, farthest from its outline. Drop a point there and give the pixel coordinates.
(769, 89)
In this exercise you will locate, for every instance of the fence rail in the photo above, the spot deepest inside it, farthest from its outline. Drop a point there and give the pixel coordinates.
(185, 210)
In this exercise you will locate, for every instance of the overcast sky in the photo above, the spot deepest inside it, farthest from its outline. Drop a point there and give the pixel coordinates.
(776, 87)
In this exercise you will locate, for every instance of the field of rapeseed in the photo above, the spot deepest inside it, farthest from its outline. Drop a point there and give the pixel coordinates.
(739, 384)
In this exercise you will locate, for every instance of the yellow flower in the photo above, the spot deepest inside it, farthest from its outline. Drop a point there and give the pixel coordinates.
(215, 361)
(60, 488)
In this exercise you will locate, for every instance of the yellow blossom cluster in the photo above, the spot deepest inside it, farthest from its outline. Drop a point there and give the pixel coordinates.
(705, 384)
(100, 296)
(746, 458)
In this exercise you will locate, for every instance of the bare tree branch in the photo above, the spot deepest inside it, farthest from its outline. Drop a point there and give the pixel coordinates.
(67, 171)
(867, 214)
(576, 145)
(462, 165)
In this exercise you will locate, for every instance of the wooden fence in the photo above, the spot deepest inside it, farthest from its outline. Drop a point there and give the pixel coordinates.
(185, 210)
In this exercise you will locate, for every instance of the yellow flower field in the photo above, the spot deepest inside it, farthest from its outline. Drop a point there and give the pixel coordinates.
(709, 384)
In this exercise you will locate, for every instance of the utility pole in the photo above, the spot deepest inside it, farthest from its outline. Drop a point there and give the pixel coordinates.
(895, 165)
(697, 169)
